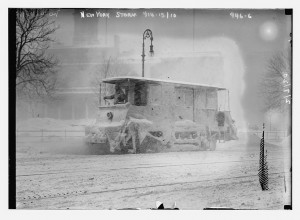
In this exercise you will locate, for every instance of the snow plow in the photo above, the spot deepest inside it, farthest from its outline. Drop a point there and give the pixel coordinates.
(150, 115)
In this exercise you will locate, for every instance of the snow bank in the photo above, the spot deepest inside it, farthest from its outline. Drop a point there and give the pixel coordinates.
(253, 141)
(52, 124)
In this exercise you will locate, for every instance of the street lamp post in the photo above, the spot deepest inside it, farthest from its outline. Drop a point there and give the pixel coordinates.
(147, 34)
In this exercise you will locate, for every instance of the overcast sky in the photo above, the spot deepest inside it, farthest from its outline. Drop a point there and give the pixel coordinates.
(247, 41)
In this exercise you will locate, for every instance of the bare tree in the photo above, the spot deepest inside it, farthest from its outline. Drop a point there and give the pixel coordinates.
(35, 69)
(275, 85)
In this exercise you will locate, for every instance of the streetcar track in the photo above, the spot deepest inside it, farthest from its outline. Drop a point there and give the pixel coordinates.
(84, 193)
(141, 167)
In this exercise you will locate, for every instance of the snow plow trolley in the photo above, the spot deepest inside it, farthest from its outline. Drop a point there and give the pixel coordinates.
(152, 115)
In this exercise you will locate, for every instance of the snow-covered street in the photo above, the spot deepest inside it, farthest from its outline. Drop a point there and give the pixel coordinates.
(59, 175)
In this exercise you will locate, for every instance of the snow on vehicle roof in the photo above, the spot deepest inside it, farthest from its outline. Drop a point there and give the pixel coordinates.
(114, 80)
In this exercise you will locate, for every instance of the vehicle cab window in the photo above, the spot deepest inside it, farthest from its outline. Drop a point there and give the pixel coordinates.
(140, 94)
(120, 95)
